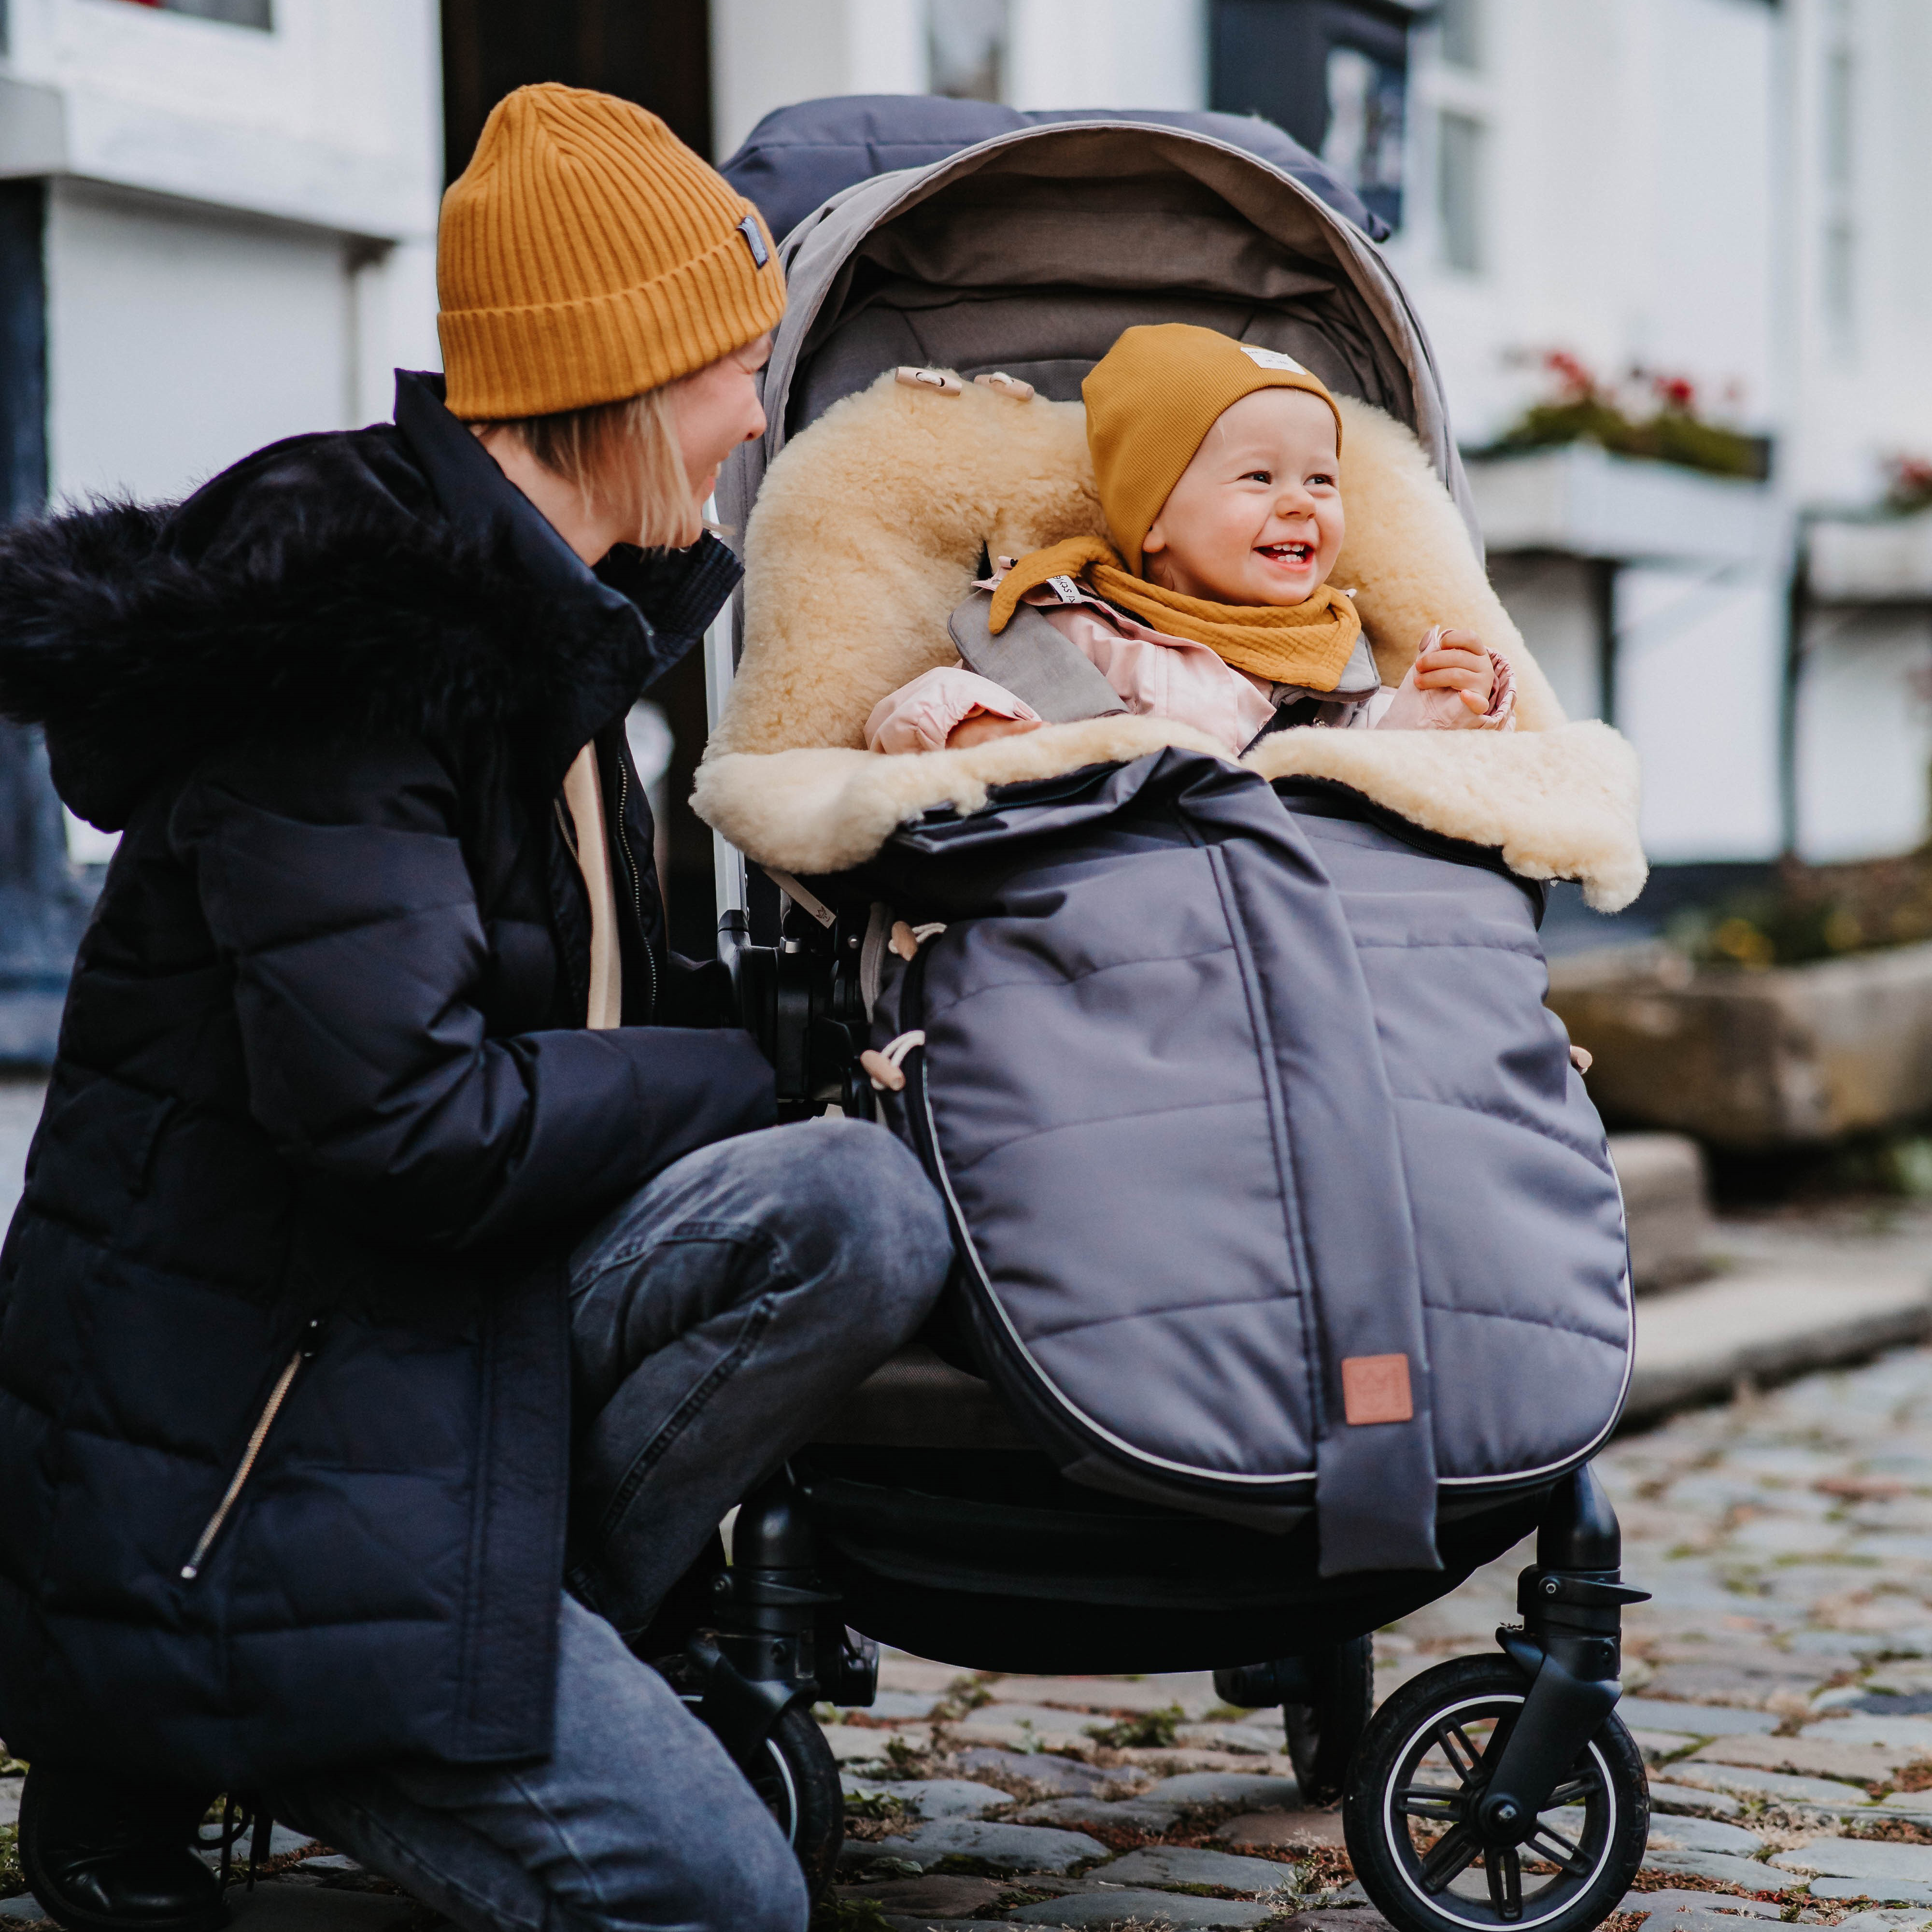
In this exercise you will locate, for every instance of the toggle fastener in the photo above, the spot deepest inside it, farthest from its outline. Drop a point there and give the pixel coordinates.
(941, 382)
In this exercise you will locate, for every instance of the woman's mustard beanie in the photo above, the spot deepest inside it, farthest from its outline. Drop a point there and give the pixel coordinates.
(586, 254)
(1151, 401)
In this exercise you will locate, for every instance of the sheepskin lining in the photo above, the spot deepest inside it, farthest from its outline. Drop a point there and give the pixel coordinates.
(867, 533)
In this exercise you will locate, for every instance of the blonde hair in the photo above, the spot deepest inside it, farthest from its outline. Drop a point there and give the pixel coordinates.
(624, 454)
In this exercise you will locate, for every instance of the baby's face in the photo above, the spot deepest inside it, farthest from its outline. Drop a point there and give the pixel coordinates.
(1256, 517)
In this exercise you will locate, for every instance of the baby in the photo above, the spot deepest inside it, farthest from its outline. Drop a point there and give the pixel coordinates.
(1219, 470)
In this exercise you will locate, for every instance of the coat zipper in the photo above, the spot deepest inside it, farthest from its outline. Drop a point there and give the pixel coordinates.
(311, 1340)
(637, 884)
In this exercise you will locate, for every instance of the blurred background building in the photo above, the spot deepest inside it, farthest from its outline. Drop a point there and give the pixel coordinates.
(1674, 255)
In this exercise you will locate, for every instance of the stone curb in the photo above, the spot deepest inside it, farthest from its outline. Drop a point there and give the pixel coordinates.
(1763, 1324)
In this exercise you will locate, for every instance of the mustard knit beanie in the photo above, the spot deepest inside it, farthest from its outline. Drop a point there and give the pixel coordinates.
(586, 254)
(1151, 401)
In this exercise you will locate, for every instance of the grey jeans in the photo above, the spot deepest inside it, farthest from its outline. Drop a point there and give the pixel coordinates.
(716, 1316)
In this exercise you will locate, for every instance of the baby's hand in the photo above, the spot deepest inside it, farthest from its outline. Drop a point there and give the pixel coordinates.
(983, 726)
(1456, 662)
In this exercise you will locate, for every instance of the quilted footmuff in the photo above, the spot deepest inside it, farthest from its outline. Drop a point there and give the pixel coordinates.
(1273, 1182)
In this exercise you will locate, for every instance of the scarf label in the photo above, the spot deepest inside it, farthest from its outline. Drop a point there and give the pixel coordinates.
(1065, 589)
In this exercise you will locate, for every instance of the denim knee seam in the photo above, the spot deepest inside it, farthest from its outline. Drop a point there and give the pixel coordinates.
(758, 1320)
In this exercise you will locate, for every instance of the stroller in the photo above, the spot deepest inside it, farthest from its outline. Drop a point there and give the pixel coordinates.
(1284, 1443)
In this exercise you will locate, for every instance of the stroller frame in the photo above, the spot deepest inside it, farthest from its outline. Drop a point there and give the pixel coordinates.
(941, 1561)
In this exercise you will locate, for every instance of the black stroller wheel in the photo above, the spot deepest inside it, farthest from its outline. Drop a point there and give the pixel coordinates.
(1409, 1814)
(797, 1777)
(1322, 1734)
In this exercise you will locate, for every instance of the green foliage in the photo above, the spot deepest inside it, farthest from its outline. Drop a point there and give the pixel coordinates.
(968, 1693)
(12, 1883)
(1668, 436)
(1811, 912)
(849, 1915)
(1666, 427)
(1152, 1730)
(877, 1804)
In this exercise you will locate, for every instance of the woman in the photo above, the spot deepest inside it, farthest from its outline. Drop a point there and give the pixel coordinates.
(400, 1201)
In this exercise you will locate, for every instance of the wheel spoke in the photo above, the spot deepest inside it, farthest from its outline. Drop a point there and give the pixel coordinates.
(1462, 1762)
(1574, 1792)
(1429, 1801)
(1451, 1855)
(1503, 1868)
(1545, 1839)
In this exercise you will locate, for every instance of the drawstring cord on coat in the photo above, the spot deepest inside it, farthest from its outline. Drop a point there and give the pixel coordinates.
(883, 1066)
(907, 940)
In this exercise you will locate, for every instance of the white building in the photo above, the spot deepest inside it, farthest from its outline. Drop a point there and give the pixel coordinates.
(236, 203)
(1728, 191)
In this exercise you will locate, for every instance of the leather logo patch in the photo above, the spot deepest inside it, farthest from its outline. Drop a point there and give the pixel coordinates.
(1374, 1388)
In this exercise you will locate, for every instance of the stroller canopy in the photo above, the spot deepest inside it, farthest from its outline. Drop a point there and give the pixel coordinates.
(797, 157)
(1031, 252)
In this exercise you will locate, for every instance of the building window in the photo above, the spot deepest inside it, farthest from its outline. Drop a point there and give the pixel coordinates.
(966, 49)
(258, 13)
(1459, 24)
(1363, 144)
(1334, 73)
(1838, 157)
(1458, 191)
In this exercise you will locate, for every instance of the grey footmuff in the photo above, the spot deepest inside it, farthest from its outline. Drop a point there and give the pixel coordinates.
(1274, 1184)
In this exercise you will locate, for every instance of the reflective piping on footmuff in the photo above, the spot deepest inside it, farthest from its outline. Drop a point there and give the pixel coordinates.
(1344, 1190)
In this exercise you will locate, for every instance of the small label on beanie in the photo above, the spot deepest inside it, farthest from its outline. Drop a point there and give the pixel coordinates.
(754, 240)
(1270, 358)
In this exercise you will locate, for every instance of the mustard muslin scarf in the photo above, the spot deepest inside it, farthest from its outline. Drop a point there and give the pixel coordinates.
(1307, 643)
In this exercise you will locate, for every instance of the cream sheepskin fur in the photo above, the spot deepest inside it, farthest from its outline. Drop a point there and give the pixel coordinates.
(865, 536)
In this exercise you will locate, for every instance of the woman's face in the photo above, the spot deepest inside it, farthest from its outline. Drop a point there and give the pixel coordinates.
(718, 409)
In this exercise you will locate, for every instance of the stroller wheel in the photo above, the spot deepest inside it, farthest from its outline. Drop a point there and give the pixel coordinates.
(1409, 1809)
(798, 1778)
(795, 1775)
(1322, 1734)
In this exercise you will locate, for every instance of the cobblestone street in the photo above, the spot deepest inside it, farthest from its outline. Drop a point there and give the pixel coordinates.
(1779, 1684)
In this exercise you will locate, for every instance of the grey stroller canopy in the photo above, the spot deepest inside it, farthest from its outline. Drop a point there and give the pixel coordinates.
(1030, 252)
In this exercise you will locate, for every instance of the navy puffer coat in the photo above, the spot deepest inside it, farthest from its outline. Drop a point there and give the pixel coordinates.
(325, 1121)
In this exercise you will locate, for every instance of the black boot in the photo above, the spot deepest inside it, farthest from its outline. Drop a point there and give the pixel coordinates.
(103, 1854)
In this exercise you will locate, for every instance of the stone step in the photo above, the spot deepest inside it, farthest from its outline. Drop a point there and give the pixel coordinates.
(1768, 1320)
(1667, 1207)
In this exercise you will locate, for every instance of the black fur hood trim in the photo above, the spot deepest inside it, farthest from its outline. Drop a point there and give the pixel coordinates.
(316, 587)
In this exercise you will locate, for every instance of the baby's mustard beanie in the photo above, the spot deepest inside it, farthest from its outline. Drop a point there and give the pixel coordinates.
(1150, 401)
(586, 254)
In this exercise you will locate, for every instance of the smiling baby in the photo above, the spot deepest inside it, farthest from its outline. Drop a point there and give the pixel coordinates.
(1218, 465)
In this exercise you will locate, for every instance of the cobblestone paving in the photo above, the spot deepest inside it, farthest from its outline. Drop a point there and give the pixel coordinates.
(1779, 1684)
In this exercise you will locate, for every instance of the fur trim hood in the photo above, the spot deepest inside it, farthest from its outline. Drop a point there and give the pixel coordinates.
(337, 582)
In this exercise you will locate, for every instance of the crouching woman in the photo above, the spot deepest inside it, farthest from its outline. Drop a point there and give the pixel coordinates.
(404, 1288)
